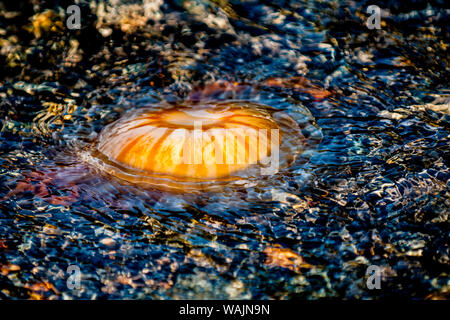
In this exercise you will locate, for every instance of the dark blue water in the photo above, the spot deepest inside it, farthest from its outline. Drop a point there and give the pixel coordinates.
(371, 188)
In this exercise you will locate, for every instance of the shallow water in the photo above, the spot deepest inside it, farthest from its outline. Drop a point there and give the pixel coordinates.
(371, 188)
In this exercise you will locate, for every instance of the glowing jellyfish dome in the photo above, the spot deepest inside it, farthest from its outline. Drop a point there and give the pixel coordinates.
(199, 146)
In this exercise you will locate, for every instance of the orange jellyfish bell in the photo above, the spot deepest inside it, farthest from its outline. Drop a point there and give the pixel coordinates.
(192, 146)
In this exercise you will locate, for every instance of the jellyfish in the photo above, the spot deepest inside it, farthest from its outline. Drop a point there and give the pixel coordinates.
(199, 145)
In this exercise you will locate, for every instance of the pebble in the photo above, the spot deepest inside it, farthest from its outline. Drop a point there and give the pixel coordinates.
(108, 242)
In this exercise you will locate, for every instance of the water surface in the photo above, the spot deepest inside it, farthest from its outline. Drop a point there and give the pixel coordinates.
(370, 189)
